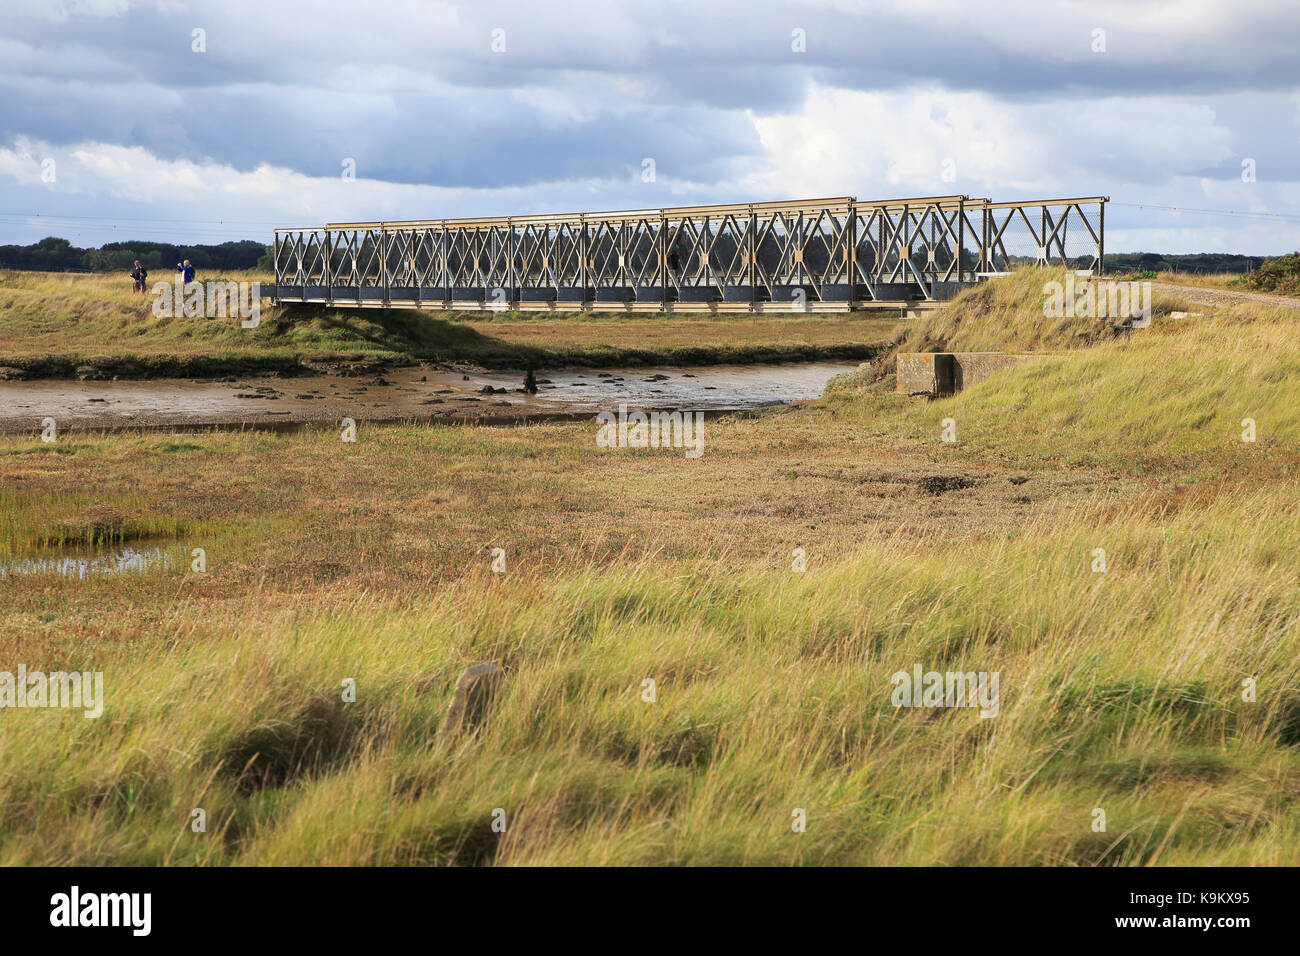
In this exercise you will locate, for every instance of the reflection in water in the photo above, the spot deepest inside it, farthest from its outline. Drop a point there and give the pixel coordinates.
(127, 561)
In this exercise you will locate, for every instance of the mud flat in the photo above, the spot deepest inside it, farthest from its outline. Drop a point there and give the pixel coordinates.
(441, 393)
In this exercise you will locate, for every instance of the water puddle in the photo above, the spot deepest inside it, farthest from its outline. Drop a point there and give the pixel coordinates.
(96, 564)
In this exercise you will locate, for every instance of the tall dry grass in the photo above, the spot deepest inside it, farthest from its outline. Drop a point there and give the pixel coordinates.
(1163, 690)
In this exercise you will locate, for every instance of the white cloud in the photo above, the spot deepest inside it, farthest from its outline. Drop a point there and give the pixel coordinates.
(877, 143)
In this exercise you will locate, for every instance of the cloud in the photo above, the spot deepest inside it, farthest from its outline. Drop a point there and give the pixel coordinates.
(884, 98)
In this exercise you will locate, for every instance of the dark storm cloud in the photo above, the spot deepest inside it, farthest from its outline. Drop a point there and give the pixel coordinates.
(417, 95)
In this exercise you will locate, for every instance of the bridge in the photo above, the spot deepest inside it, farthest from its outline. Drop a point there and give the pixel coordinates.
(817, 255)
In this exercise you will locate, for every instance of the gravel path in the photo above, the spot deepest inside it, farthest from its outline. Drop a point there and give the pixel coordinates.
(1226, 297)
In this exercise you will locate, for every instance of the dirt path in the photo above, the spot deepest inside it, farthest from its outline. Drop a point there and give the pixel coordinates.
(1225, 296)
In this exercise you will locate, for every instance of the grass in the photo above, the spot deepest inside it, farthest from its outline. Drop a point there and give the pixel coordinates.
(1008, 316)
(1121, 689)
(92, 326)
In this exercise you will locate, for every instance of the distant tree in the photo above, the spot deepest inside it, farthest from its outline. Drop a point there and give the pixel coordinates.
(54, 254)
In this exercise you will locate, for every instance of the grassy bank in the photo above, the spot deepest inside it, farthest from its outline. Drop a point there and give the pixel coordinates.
(1120, 689)
(66, 326)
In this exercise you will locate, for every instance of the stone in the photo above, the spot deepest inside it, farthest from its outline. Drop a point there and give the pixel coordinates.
(474, 691)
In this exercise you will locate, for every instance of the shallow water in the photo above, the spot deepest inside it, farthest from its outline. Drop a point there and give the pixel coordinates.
(418, 393)
(715, 388)
(91, 564)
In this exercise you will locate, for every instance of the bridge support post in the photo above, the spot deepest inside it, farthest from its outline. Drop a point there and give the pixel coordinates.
(851, 252)
(986, 261)
(751, 257)
(510, 262)
(583, 248)
(662, 245)
(1101, 239)
(329, 267)
(383, 262)
(961, 237)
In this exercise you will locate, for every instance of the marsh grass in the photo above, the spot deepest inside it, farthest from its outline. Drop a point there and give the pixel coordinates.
(1121, 690)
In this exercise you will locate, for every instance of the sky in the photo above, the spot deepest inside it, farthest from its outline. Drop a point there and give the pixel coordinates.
(202, 122)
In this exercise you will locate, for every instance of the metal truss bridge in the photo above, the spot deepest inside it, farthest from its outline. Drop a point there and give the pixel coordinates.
(817, 255)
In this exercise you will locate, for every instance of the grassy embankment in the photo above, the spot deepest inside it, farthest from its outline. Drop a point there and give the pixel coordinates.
(1120, 690)
(62, 326)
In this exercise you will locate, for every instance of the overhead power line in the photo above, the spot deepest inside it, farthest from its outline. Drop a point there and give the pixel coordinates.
(120, 219)
(1290, 217)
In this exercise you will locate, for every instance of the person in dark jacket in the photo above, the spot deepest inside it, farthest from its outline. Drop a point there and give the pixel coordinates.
(139, 275)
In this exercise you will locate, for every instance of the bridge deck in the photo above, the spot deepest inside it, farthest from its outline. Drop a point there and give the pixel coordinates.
(347, 299)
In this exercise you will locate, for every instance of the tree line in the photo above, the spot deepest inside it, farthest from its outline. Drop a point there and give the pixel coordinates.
(1206, 263)
(53, 254)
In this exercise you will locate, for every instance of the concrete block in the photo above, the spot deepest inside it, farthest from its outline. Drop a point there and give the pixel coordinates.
(925, 373)
(943, 373)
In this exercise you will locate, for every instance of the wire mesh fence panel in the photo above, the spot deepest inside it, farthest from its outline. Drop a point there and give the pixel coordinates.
(1059, 233)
